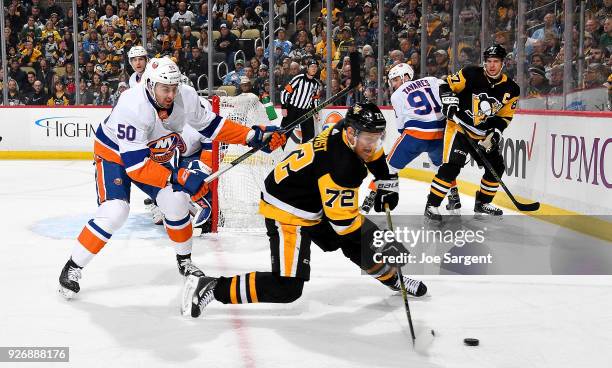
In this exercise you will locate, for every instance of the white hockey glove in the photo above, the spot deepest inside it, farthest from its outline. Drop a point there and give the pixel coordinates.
(491, 140)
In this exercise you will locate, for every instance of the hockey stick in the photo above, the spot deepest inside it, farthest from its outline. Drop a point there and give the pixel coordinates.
(526, 207)
(401, 280)
(355, 82)
(427, 335)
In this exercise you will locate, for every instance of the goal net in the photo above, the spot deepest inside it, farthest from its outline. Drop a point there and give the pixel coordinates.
(237, 193)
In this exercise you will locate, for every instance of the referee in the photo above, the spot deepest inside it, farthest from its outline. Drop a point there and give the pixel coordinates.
(298, 97)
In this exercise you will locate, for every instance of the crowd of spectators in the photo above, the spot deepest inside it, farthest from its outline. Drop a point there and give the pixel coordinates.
(41, 56)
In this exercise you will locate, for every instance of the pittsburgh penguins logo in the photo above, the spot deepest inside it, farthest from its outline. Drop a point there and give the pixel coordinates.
(483, 107)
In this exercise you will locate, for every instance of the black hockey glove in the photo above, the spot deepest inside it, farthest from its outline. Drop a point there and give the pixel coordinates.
(450, 103)
(387, 192)
(491, 140)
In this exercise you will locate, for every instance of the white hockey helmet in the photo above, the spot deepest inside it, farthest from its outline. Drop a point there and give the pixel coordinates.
(400, 70)
(137, 51)
(161, 70)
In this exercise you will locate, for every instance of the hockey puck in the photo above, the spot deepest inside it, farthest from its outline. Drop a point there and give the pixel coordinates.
(469, 341)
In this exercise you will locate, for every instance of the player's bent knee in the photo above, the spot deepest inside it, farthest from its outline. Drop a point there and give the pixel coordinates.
(449, 171)
(291, 289)
(111, 215)
(174, 205)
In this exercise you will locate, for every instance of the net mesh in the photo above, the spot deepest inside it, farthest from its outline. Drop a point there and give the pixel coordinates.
(239, 189)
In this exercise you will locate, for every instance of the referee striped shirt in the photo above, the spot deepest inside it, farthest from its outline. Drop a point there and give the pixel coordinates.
(300, 92)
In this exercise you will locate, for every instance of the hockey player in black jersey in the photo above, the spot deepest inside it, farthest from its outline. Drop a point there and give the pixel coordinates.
(312, 195)
(482, 100)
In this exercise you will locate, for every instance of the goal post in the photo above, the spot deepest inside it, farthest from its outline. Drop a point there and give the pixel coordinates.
(236, 193)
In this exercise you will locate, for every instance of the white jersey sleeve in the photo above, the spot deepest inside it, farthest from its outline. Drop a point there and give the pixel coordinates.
(135, 80)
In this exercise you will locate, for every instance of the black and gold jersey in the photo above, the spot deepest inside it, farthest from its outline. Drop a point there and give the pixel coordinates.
(484, 103)
(320, 180)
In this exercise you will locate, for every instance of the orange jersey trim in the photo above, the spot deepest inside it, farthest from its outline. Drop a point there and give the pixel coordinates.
(232, 132)
(151, 173)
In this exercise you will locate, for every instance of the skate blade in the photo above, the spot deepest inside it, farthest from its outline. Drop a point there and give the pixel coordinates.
(65, 293)
(191, 284)
(486, 217)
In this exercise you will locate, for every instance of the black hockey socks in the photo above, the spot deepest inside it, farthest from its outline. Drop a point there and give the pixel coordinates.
(258, 287)
(487, 191)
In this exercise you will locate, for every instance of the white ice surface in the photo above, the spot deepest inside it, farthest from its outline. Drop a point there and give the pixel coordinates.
(127, 314)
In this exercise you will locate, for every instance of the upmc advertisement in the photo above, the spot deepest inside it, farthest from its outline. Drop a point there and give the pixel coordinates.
(561, 159)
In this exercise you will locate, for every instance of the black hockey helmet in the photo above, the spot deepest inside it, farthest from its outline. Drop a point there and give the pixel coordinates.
(365, 117)
(495, 50)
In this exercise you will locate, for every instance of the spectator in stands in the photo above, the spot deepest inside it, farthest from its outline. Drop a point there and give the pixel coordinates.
(29, 32)
(605, 41)
(38, 95)
(280, 11)
(596, 75)
(202, 17)
(595, 56)
(196, 66)
(252, 20)
(59, 97)
(16, 73)
(189, 40)
(109, 18)
(227, 43)
(161, 14)
(347, 43)
(259, 54)
(183, 16)
(86, 97)
(91, 45)
(233, 78)
(556, 80)
(45, 75)
(245, 86)
(321, 47)
(300, 25)
(203, 41)
(221, 7)
(368, 12)
(28, 87)
(14, 97)
(363, 37)
(351, 10)
(593, 26)
(29, 55)
(298, 50)
(548, 26)
(103, 97)
(282, 42)
(10, 36)
(538, 83)
(254, 64)
(262, 77)
(96, 84)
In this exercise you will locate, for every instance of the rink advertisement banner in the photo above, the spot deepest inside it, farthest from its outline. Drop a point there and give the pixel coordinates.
(44, 129)
(516, 245)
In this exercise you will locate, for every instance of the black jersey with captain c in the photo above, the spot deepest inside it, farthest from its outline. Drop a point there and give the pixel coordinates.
(484, 103)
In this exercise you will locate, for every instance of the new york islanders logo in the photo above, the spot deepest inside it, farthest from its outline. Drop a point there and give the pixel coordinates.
(162, 149)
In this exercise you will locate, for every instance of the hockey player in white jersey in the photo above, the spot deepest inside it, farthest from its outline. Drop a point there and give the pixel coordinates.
(420, 123)
(134, 144)
(137, 57)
